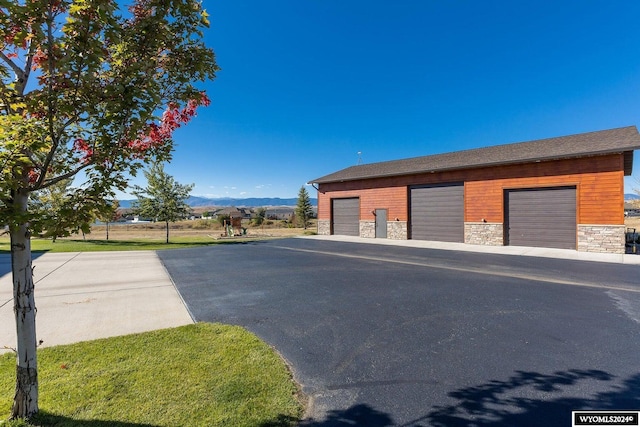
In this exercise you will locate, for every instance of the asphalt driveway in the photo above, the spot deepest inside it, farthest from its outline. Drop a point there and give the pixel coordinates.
(397, 336)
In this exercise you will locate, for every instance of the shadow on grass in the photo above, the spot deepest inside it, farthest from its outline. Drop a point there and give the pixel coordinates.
(96, 245)
(45, 419)
(123, 244)
(157, 243)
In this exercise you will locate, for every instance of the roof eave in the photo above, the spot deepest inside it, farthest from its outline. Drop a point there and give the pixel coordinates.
(628, 165)
(628, 162)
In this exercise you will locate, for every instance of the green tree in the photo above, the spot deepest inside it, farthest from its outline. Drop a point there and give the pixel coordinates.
(304, 210)
(56, 208)
(163, 199)
(261, 213)
(83, 88)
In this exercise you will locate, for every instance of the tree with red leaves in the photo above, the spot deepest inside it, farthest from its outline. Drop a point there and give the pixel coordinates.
(90, 90)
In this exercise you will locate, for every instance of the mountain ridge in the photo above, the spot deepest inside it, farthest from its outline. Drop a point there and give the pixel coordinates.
(197, 201)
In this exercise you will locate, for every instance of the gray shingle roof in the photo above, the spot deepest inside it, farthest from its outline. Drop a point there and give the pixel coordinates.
(620, 140)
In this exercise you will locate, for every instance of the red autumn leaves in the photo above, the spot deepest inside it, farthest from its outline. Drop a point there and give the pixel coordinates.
(158, 134)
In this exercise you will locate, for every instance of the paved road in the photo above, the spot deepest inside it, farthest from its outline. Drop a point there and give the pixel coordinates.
(386, 335)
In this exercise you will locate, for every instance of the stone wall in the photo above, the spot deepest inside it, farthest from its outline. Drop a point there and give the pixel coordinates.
(368, 229)
(591, 238)
(601, 238)
(324, 227)
(397, 230)
(484, 233)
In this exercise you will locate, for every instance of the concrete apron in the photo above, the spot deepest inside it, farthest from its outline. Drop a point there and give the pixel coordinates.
(569, 254)
(89, 295)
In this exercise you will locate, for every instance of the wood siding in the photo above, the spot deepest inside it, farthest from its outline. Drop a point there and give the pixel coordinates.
(599, 181)
(394, 199)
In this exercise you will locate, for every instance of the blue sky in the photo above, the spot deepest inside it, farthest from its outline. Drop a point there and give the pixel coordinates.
(307, 84)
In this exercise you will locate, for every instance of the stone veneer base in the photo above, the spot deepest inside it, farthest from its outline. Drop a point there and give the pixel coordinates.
(368, 229)
(397, 230)
(484, 233)
(591, 238)
(601, 238)
(324, 227)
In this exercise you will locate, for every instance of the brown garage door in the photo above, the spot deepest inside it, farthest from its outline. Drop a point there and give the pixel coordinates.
(541, 217)
(345, 214)
(437, 213)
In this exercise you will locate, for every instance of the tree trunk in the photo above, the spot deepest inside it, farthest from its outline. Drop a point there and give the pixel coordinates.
(25, 401)
(107, 230)
(167, 222)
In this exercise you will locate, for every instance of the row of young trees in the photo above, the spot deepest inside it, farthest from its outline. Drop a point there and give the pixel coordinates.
(163, 199)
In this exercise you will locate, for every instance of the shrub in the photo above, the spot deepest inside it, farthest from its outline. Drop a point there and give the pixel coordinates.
(222, 218)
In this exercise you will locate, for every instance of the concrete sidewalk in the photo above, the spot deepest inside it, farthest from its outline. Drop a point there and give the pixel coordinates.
(503, 250)
(90, 295)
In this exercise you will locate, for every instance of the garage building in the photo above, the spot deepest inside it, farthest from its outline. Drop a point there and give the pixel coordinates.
(565, 192)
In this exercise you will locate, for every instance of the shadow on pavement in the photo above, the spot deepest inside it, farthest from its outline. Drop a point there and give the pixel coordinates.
(357, 415)
(508, 403)
(505, 403)
(5, 260)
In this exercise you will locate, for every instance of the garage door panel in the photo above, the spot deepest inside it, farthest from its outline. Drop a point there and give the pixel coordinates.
(437, 213)
(346, 216)
(541, 217)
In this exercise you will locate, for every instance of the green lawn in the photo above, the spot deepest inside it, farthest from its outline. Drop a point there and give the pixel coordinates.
(69, 245)
(196, 375)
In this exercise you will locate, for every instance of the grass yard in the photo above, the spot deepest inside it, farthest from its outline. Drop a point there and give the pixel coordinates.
(151, 236)
(90, 245)
(196, 375)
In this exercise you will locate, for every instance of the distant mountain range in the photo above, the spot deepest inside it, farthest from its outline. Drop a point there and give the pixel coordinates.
(195, 202)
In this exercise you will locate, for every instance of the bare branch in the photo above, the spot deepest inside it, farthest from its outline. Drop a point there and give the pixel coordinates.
(50, 105)
(57, 179)
(5, 347)
(20, 74)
